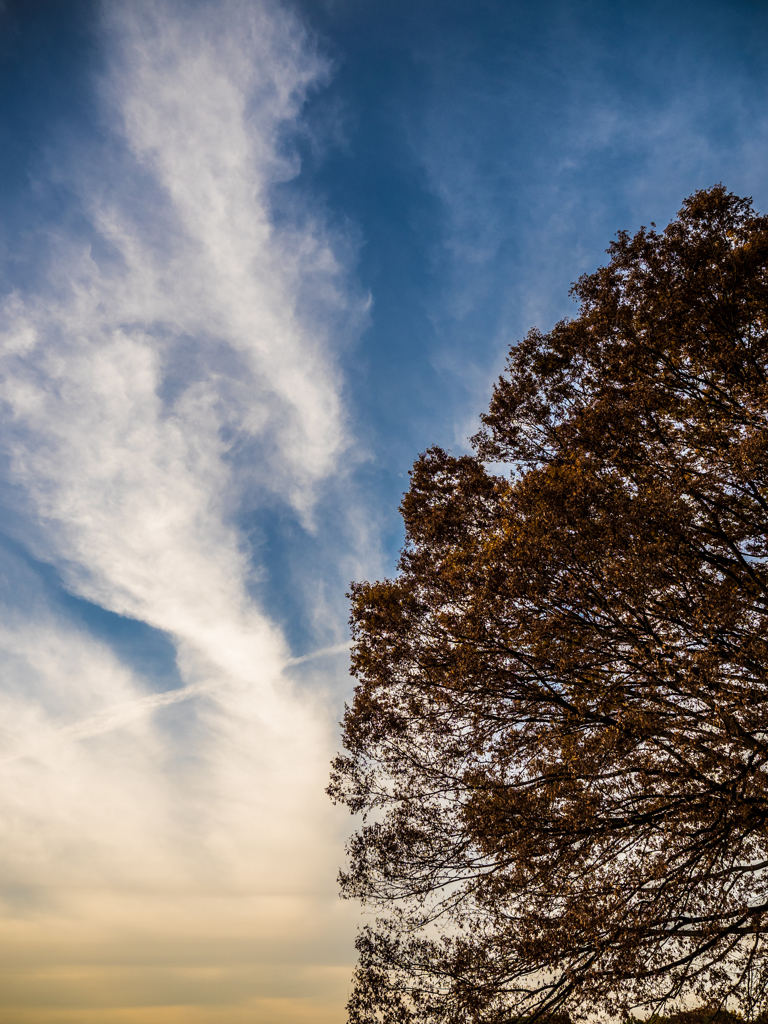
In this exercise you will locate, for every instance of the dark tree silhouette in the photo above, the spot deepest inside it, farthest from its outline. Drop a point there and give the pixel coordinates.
(559, 735)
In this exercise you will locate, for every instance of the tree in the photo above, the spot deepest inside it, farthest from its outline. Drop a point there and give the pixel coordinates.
(559, 734)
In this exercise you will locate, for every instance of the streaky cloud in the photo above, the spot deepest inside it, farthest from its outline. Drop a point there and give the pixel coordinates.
(176, 367)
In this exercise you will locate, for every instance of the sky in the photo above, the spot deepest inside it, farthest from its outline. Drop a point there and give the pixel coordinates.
(254, 257)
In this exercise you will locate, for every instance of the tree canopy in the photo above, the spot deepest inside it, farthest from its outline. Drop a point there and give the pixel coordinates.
(559, 733)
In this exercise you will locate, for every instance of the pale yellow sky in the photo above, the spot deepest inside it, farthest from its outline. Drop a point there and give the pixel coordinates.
(274, 961)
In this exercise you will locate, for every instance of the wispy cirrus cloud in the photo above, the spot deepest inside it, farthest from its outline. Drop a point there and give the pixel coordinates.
(177, 364)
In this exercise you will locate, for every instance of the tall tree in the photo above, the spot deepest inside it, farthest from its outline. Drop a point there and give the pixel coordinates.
(559, 734)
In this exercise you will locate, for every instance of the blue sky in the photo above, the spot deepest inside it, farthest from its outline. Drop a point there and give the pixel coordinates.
(255, 256)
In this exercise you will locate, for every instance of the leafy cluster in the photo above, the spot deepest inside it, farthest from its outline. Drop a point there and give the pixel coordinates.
(559, 735)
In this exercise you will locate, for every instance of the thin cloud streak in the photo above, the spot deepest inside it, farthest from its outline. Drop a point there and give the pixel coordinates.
(120, 715)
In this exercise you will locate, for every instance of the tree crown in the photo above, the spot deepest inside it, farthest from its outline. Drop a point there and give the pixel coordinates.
(559, 734)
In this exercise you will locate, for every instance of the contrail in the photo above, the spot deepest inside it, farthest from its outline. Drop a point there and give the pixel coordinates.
(121, 714)
(323, 652)
(115, 717)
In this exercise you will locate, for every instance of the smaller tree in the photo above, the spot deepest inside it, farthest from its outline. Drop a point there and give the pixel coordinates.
(559, 735)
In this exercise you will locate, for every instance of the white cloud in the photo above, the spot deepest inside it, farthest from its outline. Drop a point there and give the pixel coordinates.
(166, 371)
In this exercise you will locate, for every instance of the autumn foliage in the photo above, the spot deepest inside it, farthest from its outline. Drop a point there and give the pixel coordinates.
(559, 735)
